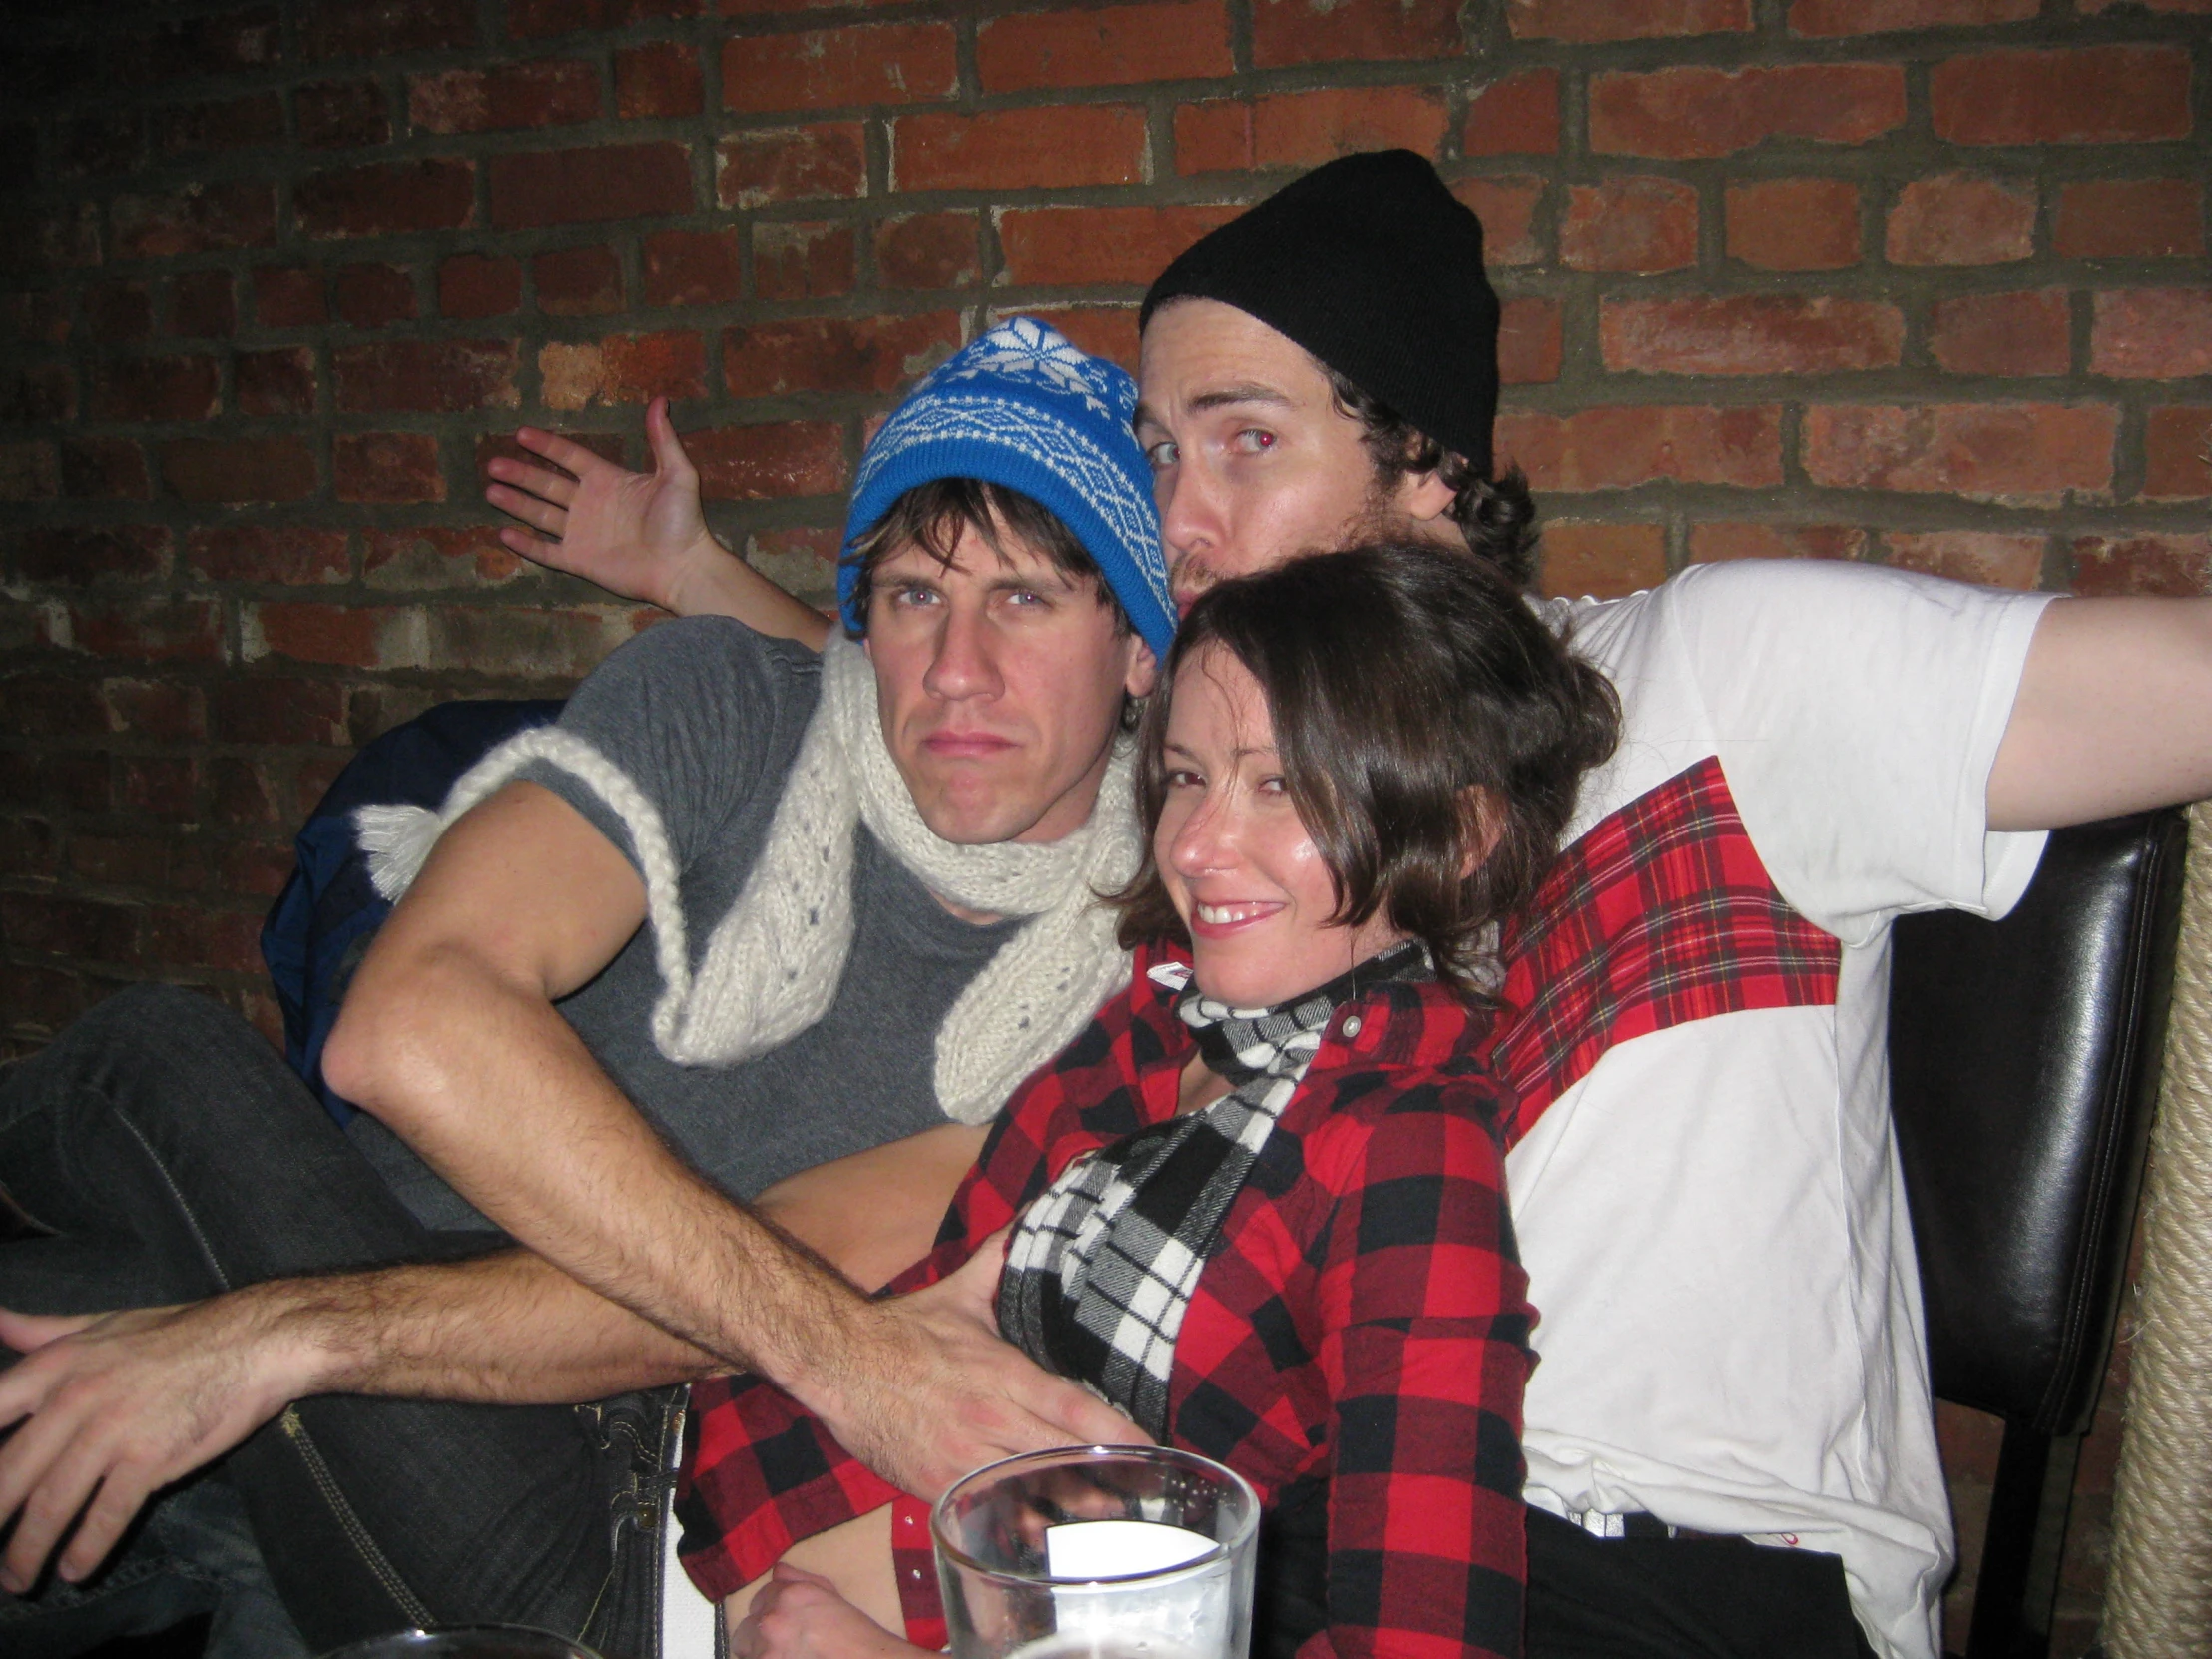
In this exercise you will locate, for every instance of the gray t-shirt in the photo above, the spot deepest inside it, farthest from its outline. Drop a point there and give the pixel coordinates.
(705, 717)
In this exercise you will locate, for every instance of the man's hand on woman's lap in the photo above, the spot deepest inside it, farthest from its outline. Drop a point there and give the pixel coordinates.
(800, 1615)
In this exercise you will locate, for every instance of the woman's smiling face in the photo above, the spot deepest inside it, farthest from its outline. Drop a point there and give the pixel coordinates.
(1238, 864)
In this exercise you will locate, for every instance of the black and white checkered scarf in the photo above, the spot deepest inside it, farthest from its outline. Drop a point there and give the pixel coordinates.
(1101, 1267)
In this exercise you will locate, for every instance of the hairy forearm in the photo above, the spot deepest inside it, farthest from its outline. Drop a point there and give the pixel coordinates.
(486, 1080)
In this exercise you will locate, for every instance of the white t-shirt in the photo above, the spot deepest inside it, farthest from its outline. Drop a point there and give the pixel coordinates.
(1706, 1187)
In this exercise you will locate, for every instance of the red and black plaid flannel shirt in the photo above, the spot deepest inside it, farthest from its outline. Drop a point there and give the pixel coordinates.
(1365, 1321)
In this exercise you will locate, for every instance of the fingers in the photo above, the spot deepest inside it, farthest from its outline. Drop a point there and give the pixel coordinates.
(562, 452)
(25, 1331)
(529, 508)
(47, 1470)
(1079, 1418)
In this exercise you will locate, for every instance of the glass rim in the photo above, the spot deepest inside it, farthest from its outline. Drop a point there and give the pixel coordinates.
(417, 1635)
(1218, 1549)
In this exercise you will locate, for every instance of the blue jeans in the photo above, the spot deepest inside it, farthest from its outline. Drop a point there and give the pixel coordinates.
(175, 1156)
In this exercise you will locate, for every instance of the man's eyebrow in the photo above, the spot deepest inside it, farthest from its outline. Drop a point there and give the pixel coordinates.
(1251, 392)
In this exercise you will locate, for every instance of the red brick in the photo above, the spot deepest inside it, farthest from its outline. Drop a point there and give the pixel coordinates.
(105, 469)
(251, 871)
(43, 997)
(1793, 223)
(1622, 447)
(1961, 219)
(155, 388)
(35, 318)
(163, 787)
(1749, 334)
(623, 368)
(351, 636)
(433, 556)
(1995, 559)
(425, 376)
(1507, 209)
(1519, 116)
(804, 259)
(29, 472)
(2003, 334)
(1586, 22)
(73, 557)
(1177, 40)
(929, 250)
(435, 192)
(798, 559)
(264, 710)
(148, 627)
(1717, 542)
(236, 471)
(1304, 129)
(119, 313)
(279, 383)
(288, 296)
(755, 169)
(2177, 452)
(1084, 144)
(873, 355)
(386, 467)
(550, 92)
(567, 187)
(2086, 95)
(386, 28)
(99, 145)
(758, 463)
(2130, 218)
(577, 282)
(531, 19)
(197, 219)
(1057, 246)
(660, 79)
(2175, 566)
(472, 285)
(222, 124)
(340, 115)
(1630, 224)
(203, 305)
(372, 295)
(39, 391)
(1212, 137)
(1602, 560)
(72, 928)
(1288, 31)
(157, 709)
(1875, 17)
(264, 553)
(1529, 342)
(1108, 332)
(2030, 453)
(691, 267)
(238, 792)
(2152, 333)
(44, 706)
(1699, 112)
(70, 782)
(869, 63)
(49, 240)
(2174, 6)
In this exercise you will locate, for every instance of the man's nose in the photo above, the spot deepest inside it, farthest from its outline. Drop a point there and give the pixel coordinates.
(1189, 513)
(963, 665)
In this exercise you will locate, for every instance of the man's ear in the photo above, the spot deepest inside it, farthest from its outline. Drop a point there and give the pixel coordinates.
(1144, 668)
(1424, 497)
(1485, 818)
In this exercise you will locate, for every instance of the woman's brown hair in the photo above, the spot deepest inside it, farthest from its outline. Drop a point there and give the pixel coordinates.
(1432, 732)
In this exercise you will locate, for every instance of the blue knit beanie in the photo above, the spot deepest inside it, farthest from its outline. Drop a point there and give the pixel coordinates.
(1022, 408)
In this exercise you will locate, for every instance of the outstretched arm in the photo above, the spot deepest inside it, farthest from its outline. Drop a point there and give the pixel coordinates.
(638, 534)
(2112, 714)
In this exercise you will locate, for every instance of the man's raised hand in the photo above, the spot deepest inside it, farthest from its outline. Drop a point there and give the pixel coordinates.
(639, 534)
(935, 1393)
(109, 1408)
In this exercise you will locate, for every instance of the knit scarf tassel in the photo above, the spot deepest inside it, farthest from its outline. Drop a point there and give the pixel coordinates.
(772, 966)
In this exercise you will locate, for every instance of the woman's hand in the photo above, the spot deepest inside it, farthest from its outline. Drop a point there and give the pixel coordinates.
(800, 1615)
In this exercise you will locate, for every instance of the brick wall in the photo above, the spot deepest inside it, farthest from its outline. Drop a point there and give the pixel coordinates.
(1912, 281)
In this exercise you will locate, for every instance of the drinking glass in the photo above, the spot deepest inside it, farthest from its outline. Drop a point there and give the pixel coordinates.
(468, 1641)
(1098, 1552)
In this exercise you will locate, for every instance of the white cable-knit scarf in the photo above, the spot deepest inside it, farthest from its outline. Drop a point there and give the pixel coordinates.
(772, 964)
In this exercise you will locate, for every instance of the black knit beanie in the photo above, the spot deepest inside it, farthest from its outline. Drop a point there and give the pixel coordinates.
(1374, 267)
